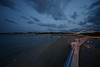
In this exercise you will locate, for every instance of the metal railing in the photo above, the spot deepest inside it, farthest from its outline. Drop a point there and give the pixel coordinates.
(69, 59)
(74, 53)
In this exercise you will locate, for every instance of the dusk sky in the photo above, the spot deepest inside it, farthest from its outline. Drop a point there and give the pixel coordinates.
(49, 15)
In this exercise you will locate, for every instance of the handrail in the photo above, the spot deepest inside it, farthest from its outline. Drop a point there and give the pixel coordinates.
(69, 59)
(73, 57)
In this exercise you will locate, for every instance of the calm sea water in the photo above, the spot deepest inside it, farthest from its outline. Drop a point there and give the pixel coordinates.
(12, 46)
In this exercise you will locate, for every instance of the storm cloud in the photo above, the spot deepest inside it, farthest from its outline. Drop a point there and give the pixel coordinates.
(10, 21)
(8, 3)
(55, 8)
(49, 15)
(95, 4)
(35, 19)
(74, 16)
(94, 13)
(81, 23)
(70, 30)
(51, 25)
(30, 22)
(74, 30)
(24, 17)
(50, 29)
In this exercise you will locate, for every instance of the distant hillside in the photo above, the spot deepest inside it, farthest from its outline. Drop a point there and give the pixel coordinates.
(92, 34)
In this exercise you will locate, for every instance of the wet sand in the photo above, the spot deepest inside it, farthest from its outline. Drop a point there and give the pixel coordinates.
(53, 54)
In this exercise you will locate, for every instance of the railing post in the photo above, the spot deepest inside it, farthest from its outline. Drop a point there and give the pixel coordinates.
(81, 39)
(75, 49)
(77, 40)
(76, 46)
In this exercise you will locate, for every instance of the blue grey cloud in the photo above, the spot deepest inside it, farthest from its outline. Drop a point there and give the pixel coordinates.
(10, 21)
(47, 25)
(55, 8)
(51, 25)
(75, 15)
(63, 30)
(30, 22)
(81, 23)
(62, 26)
(72, 22)
(35, 19)
(74, 30)
(8, 3)
(24, 17)
(94, 13)
(96, 29)
(95, 4)
(50, 29)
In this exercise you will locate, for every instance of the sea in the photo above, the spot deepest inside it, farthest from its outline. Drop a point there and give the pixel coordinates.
(13, 46)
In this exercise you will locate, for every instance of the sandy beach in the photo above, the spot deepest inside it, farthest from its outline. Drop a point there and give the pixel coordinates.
(52, 54)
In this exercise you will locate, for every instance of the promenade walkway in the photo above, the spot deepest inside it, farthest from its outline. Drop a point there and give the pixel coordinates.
(73, 58)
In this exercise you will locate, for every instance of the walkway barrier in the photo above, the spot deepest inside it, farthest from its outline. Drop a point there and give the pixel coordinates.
(73, 58)
(69, 59)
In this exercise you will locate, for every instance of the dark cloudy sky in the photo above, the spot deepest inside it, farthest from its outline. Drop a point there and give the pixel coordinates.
(48, 15)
